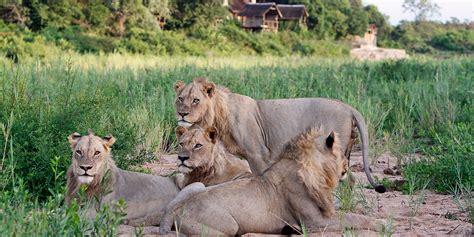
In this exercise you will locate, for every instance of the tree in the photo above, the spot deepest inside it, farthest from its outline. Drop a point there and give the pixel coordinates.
(198, 13)
(381, 21)
(158, 7)
(423, 9)
(358, 18)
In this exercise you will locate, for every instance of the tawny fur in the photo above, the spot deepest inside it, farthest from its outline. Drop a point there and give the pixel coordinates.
(296, 190)
(211, 164)
(146, 195)
(320, 176)
(259, 129)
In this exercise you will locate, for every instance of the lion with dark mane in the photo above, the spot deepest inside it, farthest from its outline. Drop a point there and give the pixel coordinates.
(297, 190)
(92, 165)
(259, 129)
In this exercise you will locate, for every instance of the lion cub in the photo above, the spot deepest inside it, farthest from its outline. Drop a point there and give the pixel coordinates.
(202, 158)
(92, 165)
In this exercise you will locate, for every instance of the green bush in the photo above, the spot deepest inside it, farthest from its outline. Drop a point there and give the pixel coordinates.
(303, 48)
(88, 43)
(462, 41)
(448, 164)
(97, 14)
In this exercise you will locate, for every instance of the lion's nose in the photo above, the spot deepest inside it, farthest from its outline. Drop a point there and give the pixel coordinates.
(183, 158)
(86, 167)
(183, 114)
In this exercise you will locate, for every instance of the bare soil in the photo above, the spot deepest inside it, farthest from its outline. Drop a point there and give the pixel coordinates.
(424, 213)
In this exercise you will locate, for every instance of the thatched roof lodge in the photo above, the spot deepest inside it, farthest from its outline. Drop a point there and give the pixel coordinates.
(266, 16)
(260, 17)
(293, 12)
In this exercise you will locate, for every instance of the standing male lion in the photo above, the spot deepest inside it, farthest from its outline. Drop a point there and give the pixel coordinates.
(92, 165)
(259, 129)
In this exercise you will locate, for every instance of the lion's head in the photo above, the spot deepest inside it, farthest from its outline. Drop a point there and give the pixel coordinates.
(90, 156)
(320, 165)
(196, 148)
(198, 103)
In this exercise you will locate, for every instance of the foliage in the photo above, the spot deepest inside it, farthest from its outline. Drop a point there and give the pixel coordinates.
(203, 28)
(358, 18)
(426, 37)
(227, 39)
(201, 13)
(23, 215)
(461, 41)
(97, 14)
(49, 100)
(448, 163)
(383, 26)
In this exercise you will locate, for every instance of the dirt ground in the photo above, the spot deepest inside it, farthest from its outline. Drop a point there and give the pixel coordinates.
(422, 214)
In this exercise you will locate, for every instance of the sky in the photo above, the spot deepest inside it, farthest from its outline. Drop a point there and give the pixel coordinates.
(461, 9)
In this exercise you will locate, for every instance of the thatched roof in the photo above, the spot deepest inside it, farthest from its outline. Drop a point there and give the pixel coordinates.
(292, 12)
(238, 5)
(258, 9)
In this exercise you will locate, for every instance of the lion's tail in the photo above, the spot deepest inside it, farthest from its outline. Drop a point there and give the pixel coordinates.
(362, 127)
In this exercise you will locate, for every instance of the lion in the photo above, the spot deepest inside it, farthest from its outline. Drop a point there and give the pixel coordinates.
(202, 158)
(92, 165)
(295, 191)
(258, 129)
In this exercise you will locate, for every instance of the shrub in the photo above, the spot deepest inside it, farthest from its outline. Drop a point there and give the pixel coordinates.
(462, 41)
(448, 163)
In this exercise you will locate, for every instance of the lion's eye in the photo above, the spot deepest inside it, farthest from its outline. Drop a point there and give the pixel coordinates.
(180, 99)
(195, 101)
(96, 153)
(79, 152)
(197, 146)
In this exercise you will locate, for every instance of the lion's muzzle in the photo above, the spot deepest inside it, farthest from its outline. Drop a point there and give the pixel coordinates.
(85, 179)
(182, 167)
(184, 123)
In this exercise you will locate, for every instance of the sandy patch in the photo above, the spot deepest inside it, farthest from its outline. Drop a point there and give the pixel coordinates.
(422, 214)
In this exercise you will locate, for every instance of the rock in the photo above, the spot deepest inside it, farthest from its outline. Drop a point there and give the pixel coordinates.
(375, 54)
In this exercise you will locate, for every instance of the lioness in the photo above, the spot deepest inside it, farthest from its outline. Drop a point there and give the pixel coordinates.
(296, 190)
(202, 158)
(146, 195)
(259, 129)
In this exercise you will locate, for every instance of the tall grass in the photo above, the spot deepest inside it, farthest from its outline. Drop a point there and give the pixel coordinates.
(409, 106)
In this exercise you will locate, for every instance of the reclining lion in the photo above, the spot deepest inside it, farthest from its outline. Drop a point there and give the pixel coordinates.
(259, 129)
(202, 158)
(296, 190)
(146, 195)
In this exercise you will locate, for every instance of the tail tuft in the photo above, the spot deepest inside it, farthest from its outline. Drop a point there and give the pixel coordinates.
(290, 230)
(380, 189)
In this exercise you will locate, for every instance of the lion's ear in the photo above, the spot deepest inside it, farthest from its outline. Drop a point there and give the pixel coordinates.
(180, 130)
(212, 134)
(330, 140)
(178, 86)
(73, 139)
(208, 87)
(109, 140)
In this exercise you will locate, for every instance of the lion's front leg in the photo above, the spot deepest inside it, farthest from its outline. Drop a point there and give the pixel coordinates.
(348, 221)
(253, 149)
(311, 216)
